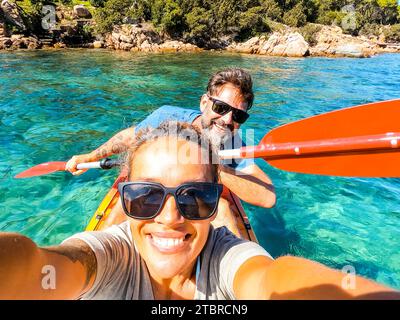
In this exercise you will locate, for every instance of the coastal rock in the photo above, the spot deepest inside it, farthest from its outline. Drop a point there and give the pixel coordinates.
(146, 46)
(59, 45)
(124, 38)
(142, 37)
(177, 46)
(288, 44)
(80, 11)
(16, 37)
(291, 44)
(332, 42)
(125, 46)
(19, 41)
(5, 43)
(32, 43)
(98, 44)
(250, 46)
(12, 14)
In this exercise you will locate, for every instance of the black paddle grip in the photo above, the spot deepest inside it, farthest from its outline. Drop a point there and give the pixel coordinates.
(108, 163)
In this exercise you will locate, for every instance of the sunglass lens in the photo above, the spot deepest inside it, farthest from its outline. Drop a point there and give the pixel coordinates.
(197, 201)
(240, 116)
(220, 107)
(142, 201)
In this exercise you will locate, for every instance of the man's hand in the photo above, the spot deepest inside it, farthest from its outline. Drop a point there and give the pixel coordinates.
(75, 160)
(117, 144)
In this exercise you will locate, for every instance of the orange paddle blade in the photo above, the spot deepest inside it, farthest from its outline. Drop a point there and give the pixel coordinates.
(367, 141)
(41, 169)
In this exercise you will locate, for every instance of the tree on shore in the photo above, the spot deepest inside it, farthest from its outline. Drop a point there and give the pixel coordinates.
(198, 21)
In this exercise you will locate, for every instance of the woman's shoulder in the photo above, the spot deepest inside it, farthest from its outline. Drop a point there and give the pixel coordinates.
(222, 243)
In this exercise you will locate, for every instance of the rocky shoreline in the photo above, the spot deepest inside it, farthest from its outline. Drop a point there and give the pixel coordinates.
(330, 41)
(327, 41)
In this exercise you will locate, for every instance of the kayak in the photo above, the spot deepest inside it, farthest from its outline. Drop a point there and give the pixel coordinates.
(112, 198)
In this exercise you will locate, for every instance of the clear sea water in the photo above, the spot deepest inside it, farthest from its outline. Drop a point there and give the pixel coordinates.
(59, 103)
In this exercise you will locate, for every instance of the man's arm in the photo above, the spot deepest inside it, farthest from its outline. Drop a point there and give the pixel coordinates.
(298, 278)
(117, 144)
(251, 185)
(30, 272)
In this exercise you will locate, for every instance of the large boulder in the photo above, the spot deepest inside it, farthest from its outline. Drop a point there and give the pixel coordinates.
(291, 44)
(5, 43)
(12, 14)
(250, 46)
(331, 41)
(80, 11)
(98, 44)
(19, 41)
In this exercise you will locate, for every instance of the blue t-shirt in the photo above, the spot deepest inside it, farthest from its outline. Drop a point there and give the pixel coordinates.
(168, 113)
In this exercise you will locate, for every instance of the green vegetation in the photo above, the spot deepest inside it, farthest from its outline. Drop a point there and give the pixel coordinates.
(309, 33)
(243, 18)
(199, 21)
(392, 34)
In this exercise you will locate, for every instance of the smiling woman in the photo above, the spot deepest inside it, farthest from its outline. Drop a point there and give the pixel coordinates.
(168, 249)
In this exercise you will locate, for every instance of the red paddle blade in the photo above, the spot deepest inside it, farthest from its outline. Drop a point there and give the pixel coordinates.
(364, 120)
(42, 169)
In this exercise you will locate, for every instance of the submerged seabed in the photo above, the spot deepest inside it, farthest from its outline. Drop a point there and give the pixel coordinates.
(57, 104)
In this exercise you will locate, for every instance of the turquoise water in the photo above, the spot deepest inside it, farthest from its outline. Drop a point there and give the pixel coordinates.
(57, 104)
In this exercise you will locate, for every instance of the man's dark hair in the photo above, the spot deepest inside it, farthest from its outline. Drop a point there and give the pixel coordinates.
(236, 76)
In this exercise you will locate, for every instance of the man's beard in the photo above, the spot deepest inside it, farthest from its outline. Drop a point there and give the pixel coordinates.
(217, 140)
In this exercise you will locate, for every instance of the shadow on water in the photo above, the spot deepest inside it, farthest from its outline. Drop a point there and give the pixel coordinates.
(276, 238)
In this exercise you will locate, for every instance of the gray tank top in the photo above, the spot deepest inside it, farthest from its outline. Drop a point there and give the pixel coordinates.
(122, 274)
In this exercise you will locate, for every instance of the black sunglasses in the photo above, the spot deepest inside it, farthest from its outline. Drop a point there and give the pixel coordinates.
(195, 200)
(222, 108)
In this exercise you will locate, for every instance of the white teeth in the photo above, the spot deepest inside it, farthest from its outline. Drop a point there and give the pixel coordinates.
(167, 243)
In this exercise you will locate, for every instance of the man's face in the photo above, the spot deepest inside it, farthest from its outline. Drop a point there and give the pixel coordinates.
(219, 128)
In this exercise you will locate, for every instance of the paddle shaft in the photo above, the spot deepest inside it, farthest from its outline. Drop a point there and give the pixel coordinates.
(388, 142)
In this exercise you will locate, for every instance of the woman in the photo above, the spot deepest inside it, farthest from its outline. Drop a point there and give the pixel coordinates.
(167, 249)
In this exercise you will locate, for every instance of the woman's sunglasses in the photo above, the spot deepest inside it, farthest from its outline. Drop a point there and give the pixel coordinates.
(195, 200)
(223, 108)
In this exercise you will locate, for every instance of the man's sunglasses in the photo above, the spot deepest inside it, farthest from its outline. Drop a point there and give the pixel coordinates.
(195, 200)
(223, 108)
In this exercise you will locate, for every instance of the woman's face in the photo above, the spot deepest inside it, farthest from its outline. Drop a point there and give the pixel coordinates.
(169, 243)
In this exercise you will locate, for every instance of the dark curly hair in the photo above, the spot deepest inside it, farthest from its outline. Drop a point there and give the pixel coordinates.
(236, 76)
(179, 130)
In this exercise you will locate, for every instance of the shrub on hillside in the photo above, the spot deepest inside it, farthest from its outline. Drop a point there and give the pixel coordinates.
(295, 17)
(272, 9)
(329, 17)
(251, 23)
(97, 3)
(114, 12)
(198, 23)
(392, 33)
(167, 15)
(309, 32)
(370, 29)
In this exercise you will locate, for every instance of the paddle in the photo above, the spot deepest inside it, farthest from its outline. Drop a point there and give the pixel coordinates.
(50, 167)
(361, 141)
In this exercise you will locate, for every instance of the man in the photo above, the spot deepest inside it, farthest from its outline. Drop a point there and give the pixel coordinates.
(223, 109)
